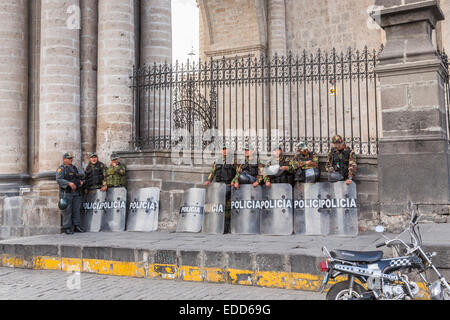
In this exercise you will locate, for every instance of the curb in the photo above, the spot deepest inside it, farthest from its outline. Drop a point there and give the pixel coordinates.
(296, 272)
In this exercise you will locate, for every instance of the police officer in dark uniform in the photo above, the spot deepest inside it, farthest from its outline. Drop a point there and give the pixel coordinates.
(70, 183)
(224, 170)
(247, 172)
(95, 174)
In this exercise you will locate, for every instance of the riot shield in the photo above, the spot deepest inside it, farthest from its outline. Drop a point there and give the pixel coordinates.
(214, 216)
(143, 210)
(115, 210)
(299, 211)
(245, 214)
(311, 215)
(277, 212)
(344, 212)
(191, 211)
(92, 215)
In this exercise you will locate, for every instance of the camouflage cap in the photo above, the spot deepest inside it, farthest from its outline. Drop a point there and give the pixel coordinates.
(114, 156)
(68, 155)
(337, 139)
(302, 145)
(93, 154)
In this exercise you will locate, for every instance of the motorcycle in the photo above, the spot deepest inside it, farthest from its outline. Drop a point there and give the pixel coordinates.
(384, 279)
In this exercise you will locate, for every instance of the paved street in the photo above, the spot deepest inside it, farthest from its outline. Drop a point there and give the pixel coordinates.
(48, 285)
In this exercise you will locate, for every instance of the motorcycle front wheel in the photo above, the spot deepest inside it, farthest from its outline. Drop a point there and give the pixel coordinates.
(341, 291)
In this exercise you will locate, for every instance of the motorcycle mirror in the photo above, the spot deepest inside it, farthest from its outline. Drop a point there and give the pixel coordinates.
(379, 229)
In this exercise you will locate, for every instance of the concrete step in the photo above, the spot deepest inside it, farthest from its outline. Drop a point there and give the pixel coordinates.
(286, 262)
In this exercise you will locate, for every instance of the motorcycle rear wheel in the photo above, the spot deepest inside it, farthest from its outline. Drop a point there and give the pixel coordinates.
(341, 291)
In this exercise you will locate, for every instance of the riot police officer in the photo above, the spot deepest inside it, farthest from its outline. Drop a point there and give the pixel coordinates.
(247, 172)
(277, 170)
(224, 170)
(70, 183)
(95, 174)
(116, 173)
(305, 164)
(341, 164)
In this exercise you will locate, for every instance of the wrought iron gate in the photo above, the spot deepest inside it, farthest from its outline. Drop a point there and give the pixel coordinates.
(264, 101)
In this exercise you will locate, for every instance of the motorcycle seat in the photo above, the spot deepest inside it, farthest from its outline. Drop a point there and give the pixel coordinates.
(357, 256)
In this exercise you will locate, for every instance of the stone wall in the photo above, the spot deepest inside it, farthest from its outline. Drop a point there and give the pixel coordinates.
(330, 24)
(32, 212)
(13, 86)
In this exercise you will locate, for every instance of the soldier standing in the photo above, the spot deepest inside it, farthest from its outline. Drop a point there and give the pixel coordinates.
(70, 183)
(305, 164)
(224, 171)
(116, 173)
(341, 164)
(95, 174)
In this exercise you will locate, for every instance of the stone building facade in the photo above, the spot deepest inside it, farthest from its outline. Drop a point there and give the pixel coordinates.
(65, 86)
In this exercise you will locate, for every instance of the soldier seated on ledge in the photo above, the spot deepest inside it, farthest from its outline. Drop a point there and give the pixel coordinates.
(247, 172)
(305, 164)
(116, 173)
(341, 164)
(277, 170)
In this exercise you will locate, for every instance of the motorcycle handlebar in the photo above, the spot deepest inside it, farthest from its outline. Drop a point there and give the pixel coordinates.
(380, 245)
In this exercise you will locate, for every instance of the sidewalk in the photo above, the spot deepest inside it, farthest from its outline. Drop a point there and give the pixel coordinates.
(289, 262)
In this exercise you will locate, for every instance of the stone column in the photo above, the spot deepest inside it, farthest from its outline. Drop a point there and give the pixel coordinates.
(156, 31)
(89, 36)
(277, 27)
(59, 104)
(13, 89)
(413, 151)
(116, 55)
(277, 46)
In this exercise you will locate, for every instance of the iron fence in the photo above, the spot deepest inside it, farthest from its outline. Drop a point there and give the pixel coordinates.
(260, 101)
(444, 59)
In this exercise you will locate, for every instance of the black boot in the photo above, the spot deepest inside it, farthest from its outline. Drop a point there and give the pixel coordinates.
(78, 229)
(68, 231)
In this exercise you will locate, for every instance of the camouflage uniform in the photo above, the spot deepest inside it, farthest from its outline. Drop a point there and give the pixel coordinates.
(341, 161)
(300, 163)
(283, 176)
(116, 176)
(250, 168)
(224, 172)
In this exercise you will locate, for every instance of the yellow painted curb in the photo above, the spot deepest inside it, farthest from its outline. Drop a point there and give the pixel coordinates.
(268, 279)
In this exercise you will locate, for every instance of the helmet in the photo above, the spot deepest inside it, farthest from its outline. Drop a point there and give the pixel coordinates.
(63, 203)
(337, 139)
(272, 170)
(302, 146)
(335, 177)
(312, 175)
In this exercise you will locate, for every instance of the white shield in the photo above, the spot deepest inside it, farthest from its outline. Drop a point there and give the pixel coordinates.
(143, 210)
